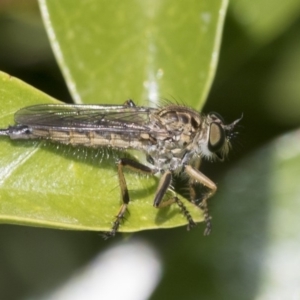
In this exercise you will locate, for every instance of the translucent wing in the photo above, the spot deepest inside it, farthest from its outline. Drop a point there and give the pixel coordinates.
(94, 117)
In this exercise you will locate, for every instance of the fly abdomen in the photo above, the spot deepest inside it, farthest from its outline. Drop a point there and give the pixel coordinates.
(83, 137)
(17, 132)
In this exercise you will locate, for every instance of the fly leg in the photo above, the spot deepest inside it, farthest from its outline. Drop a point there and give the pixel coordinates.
(197, 176)
(136, 166)
(163, 186)
(129, 103)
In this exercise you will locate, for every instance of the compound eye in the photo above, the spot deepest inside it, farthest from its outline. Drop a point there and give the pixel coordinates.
(216, 137)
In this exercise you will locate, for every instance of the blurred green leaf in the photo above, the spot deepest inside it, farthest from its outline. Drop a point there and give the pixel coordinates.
(264, 20)
(23, 30)
(282, 92)
(257, 220)
(254, 27)
(65, 187)
(146, 50)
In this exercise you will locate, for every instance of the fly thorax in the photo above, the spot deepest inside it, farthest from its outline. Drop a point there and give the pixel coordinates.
(172, 164)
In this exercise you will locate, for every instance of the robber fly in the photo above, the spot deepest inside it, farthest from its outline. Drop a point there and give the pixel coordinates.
(173, 137)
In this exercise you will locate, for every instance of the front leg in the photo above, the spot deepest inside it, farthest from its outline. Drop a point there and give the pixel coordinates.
(196, 175)
(162, 188)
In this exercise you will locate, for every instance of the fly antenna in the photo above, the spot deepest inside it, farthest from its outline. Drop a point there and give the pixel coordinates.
(233, 124)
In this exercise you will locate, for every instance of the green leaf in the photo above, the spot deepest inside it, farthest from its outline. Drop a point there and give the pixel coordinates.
(265, 20)
(283, 83)
(146, 50)
(257, 225)
(65, 187)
